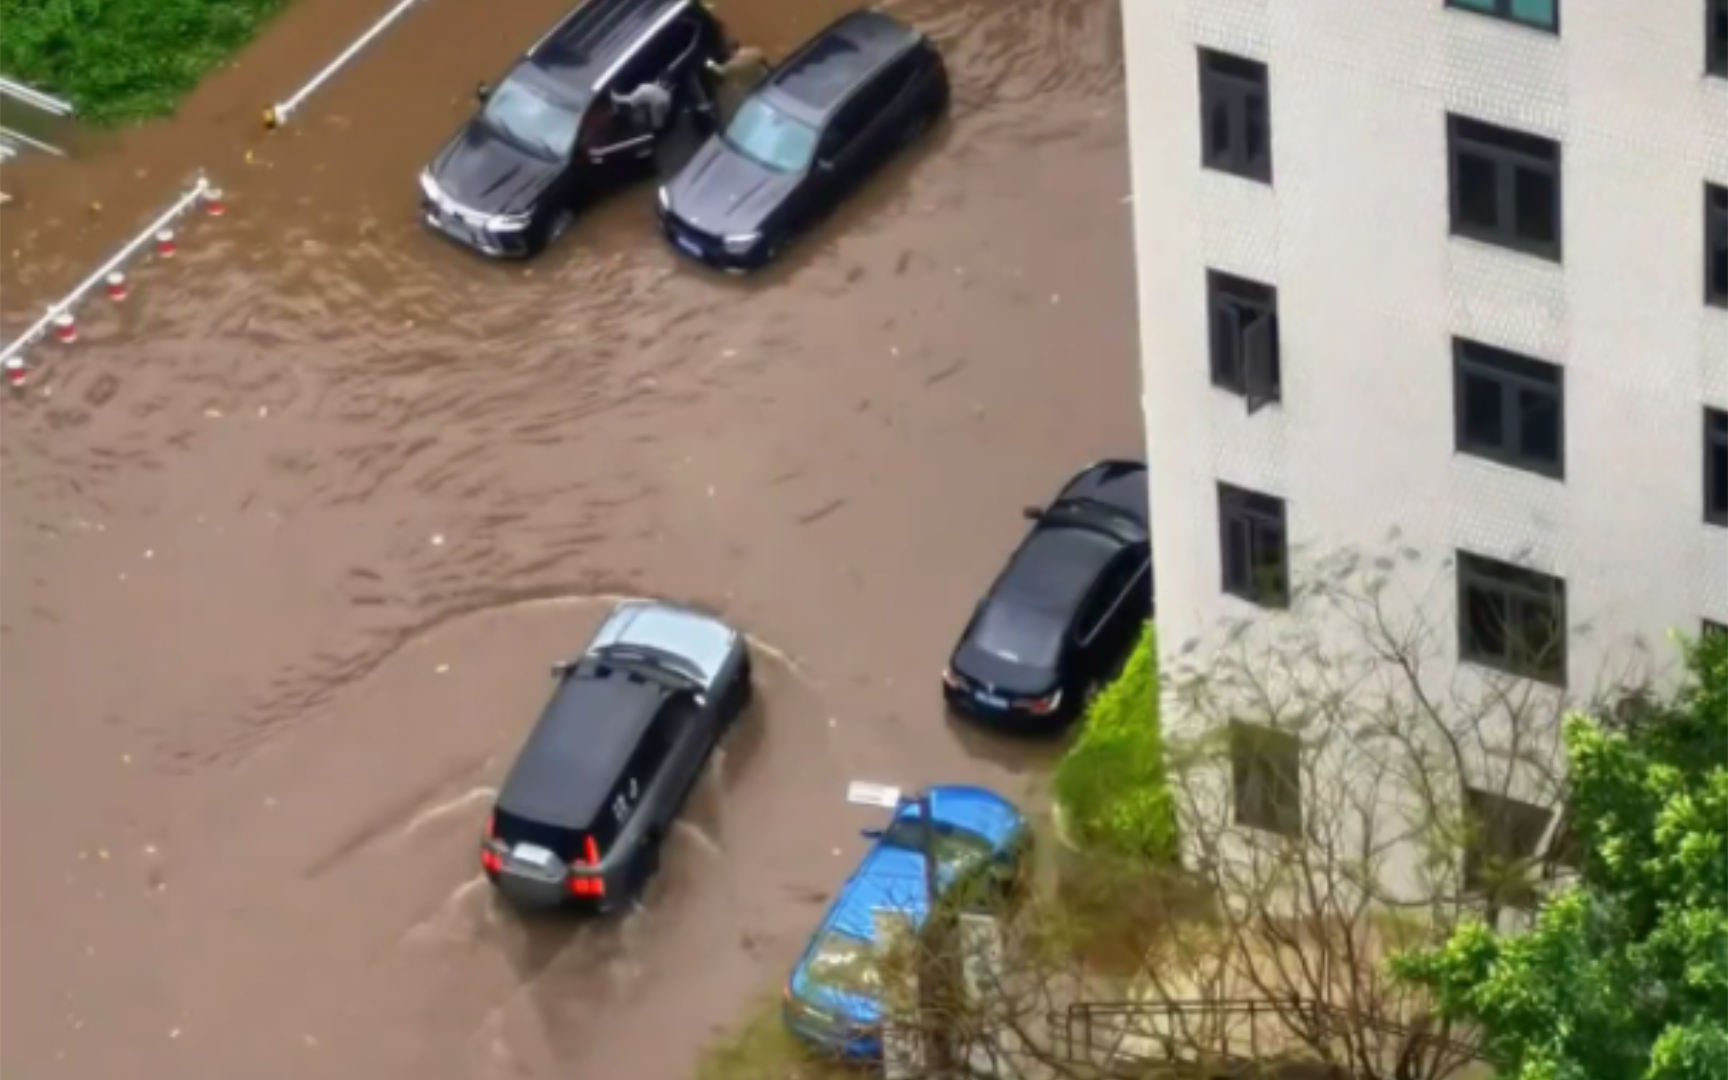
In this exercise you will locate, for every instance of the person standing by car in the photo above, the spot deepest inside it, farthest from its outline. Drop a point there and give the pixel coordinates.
(650, 105)
(736, 76)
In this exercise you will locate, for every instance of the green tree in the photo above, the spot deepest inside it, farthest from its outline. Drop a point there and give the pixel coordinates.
(1625, 974)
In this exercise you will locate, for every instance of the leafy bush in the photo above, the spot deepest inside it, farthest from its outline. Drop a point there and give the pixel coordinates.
(123, 59)
(1112, 784)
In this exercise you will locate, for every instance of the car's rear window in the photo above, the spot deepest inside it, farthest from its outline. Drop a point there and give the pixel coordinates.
(567, 844)
(1019, 633)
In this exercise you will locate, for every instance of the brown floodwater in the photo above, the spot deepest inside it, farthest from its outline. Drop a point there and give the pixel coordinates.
(291, 537)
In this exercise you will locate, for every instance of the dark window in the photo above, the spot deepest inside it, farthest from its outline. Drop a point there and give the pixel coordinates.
(1511, 619)
(1504, 836)
(1716, 466)
(1716, 34)
(1716, 245)
(1712, 628)
(1235, 123)
(1243, 328)
(1509, 408)
(1255, 547)
(1106, 600)
(1505, 187)
(1266, 770)
(1542, 14)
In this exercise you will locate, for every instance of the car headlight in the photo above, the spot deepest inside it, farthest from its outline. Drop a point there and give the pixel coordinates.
(430, 187)
(742, 243)
(665, 199)
(508, 222)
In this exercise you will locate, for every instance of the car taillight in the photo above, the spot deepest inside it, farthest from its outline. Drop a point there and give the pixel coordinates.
(590, 851)
(1044, 706)
(593, 888)
(491, 860)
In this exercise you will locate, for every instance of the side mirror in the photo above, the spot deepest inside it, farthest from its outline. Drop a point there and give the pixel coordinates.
(1033, 513)
(870, 834)
(482, 92)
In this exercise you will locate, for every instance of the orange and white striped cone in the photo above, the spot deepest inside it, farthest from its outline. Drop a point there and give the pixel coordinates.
(213, 204)
(17, 373)
(165, 244)
(118, 287)
(66, 327)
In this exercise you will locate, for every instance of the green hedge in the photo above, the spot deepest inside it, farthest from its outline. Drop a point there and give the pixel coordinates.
(1112, 785)
(123, 59)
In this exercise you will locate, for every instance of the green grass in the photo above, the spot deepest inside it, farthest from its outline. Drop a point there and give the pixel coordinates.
(120, 60)
(762, 1049)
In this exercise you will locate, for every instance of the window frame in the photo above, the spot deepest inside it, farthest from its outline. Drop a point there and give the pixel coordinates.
(1266, 779)
(1495, 144)
(1715, 241)
(1715, 44)
(1260, 514)
(1711, 628)
(1236, 372)
(1715, 463)
(1502, 12)
(1239, 92)
(1499, 816)
(1514, 587)
(1514, 375)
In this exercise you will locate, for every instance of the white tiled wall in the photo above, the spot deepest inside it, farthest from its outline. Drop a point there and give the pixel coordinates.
(1371, 289)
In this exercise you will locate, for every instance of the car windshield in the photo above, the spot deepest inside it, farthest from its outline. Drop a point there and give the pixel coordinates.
(1019, 633)
(845, 963)
(770, 137)
(531, 120)
(956, 850)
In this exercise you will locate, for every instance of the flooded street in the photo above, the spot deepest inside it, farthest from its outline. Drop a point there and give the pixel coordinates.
(292, 536)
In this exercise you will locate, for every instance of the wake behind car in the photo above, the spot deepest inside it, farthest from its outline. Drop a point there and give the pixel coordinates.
(978, 840)
(1065, 612)
(582, 813)
(552, 134)
(832, 113)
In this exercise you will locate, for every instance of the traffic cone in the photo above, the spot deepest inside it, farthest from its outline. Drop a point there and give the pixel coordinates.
(66, 328)
(213, 204)
(117, 286)
(165, 244)
(17, 374)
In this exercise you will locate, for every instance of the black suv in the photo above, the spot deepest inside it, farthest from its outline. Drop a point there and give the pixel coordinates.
(837, 109)
(550, 135)
(581, 816)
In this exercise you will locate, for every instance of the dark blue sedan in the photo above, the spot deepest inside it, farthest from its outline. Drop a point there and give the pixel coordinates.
(833, 997)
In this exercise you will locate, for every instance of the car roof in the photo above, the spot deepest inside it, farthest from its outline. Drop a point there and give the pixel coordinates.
(817, 79)
(1055, 567)
(588, 42)
(580, 745)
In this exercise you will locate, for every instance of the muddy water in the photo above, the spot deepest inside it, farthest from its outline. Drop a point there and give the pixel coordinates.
(291, 536)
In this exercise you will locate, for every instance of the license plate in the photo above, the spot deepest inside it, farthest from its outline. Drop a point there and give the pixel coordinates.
(689, 245)
(533, 855)
(991, 700)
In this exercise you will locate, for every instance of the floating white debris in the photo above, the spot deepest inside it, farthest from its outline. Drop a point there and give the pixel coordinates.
(437, 539)
(441, 669)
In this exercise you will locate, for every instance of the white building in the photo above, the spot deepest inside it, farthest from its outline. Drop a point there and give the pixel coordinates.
(1458, 267)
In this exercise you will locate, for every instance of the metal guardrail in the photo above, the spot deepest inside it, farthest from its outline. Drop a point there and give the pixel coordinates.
(12, 141)
(1173, 1030)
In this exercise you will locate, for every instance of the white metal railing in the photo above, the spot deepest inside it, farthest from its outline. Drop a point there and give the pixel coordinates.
(200, 191)
(34, 98)
(279, 113)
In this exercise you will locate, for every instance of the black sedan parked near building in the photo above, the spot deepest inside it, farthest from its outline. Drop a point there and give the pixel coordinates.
(1064, 614)
(552, 134)
(836, 110)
